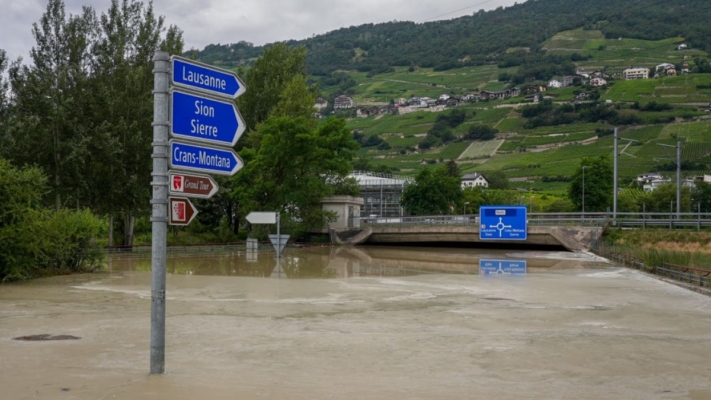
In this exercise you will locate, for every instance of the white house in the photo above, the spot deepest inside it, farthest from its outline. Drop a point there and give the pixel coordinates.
(321, 103)
(474, 180)
(444, 97)
(597, 82)
(653, 184)
(682, 46)
(555, 84)
(648, 177)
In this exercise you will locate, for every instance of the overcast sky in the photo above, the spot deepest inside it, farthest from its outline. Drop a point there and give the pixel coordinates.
(258, 21)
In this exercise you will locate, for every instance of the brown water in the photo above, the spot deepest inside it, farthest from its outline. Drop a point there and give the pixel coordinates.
(364, 323)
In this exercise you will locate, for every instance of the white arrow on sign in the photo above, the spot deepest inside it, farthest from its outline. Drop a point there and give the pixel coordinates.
(262, 217)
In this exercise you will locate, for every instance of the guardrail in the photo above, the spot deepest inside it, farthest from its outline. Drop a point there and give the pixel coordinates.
(682, 273)
(594, 219)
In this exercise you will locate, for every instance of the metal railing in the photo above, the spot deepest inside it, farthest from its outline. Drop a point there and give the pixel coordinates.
(682, 273)
(593, 219)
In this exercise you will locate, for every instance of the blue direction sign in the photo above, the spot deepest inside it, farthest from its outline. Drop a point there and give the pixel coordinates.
(204, 119)
(502, 267)
(201, 158)
(205, 78)
(503, 223)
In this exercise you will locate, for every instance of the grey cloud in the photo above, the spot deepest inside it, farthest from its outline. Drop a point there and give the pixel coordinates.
(256, 21)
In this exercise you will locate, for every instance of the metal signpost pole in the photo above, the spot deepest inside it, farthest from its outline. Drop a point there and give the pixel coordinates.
(583, 215)
(614, 190)
(278, 221)
(159, 218)
(678, 180)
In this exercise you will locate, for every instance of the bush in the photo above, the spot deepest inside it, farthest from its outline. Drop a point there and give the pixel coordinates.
(37, 241)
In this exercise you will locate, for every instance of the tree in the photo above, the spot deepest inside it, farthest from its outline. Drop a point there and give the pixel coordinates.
(598, 184)
(481, 132)
(453, 169)
(267, 80)
(701, 195)
(292, 169)
(129, 34)
(433, 192)
(50, 99)
(497, 180)
(663, 199)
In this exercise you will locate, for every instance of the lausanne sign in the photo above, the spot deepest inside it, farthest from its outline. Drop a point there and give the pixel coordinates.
(205, 78)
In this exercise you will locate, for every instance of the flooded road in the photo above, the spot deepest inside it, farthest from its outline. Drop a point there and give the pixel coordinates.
(360, 323)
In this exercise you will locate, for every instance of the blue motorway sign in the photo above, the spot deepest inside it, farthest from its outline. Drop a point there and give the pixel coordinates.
(204, 119)
(199, 158)
(503, 223)
(205, 78)
(502, 267)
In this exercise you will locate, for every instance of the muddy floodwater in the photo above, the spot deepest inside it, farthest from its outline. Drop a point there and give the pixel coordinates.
(359, 323)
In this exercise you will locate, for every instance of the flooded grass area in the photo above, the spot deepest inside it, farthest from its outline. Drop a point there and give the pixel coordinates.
(359, 323)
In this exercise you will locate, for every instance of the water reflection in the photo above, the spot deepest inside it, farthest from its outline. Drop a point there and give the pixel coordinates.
(350, 262)
(502, 267)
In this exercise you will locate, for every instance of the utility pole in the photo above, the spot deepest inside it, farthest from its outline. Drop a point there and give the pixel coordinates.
(616, 170)
(678, 177)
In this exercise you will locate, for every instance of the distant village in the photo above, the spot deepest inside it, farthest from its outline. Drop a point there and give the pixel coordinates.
(532, 93)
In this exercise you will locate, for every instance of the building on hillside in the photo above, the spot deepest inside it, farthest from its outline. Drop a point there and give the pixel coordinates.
(413, 101)
(654, 184)
(343, 102)
(444, 97)
(471, 97)
(649, 176)
(704, 178)
(381, 193)
(474, 180)
(453, 102)
(597, 82)
(321, 103)
(533, 98)
(636, 73)
(555, 84)
(500, 94)
(401, 101)
(365, 112)
(682, 46)
(533, 88)
(568, 80)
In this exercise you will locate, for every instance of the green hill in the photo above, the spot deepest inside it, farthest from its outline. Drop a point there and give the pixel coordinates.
(484, 37)
(522, 45)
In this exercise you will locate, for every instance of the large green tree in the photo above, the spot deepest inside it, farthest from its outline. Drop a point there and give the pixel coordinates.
(598, 184)
(82, 108)
(267, 80)
(663, 199)
(434, 192)
(50, 128)
(129, 34)
(292, 168)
